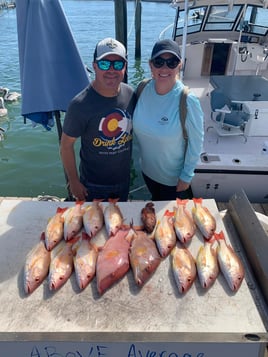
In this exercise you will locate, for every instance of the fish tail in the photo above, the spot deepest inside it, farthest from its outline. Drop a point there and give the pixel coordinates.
(198, 200)
(218, 236)
(169, 213)
(61, 209)
(181, 202)
(79, 202)
(113, 200)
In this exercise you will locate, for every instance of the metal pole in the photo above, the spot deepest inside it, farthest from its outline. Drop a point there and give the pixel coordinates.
(138, 30)
(120, 11)
(184, 37)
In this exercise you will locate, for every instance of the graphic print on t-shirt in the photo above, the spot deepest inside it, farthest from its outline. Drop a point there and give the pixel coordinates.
(115, 130)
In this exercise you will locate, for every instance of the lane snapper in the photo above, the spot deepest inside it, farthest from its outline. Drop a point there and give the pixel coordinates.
(36, 267)
(113, 217)
(183, 267)
(54, 231)
(207, 264)
(184, 224)
(148, 217)
(165, 235)
(144, 257)
(203, 218)
(73, 220)
(61, 265)
(84, 257)
(93, 219)
(229, 263)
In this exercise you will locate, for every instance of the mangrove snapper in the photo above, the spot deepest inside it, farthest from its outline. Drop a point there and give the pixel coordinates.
(84, 257)
(203, 218)
(165, 235)
(230, 264)
(184, 224)
(183, 267)
(207, 265)
(113, 217)
(93, 219)
(61, 265)
(73, 220)
(54, 229)
(36, 267)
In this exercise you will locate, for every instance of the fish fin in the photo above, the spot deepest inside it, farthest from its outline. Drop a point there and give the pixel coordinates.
(61, 209)
(85, 236)
(42, 236)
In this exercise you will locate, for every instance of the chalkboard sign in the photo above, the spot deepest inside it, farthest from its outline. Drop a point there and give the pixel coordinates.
(128, 349)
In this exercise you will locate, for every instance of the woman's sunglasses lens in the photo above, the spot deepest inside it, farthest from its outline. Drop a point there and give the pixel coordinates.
(159, 62)
(172, 62)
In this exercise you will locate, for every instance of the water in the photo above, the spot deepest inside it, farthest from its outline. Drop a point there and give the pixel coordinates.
(29, 157)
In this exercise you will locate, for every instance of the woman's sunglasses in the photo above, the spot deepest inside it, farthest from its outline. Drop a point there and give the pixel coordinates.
(105, 65)
(159, 62)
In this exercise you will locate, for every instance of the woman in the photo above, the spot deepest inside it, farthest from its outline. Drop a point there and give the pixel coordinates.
(167, 163)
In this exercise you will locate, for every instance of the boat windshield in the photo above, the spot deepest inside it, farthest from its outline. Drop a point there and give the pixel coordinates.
(250, 19)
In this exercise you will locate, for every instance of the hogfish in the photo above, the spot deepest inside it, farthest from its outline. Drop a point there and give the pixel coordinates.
(113, 262)
(144, 257)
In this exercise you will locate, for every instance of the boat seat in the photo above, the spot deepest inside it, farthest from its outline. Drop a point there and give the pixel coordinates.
(229, 118)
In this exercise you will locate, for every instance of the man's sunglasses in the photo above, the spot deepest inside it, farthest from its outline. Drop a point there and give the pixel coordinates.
(105, 65)
(159, 62)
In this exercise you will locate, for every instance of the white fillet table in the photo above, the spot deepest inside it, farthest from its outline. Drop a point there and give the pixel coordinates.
(152, 314)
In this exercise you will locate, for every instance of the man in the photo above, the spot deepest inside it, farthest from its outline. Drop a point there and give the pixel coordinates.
(101, 116)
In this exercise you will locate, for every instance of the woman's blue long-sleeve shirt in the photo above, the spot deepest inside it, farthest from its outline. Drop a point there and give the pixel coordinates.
(158, 130)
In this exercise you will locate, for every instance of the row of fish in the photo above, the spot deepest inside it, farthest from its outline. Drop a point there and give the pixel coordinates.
(67, 245)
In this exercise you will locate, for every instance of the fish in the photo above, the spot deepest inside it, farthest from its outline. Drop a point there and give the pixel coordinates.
(113, 217)
(84, 258)
(113, 262)
(144, 257)
(54, 229)
(165, 235)
(203, 218)
(73, 220)
(93, 219)
(148, 217)
(207, 264)
(183, 267)
(184, 224)
(230, 264)
(36, 267)
(61, 265)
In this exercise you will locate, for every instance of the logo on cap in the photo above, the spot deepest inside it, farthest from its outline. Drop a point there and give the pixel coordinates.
(111, 44)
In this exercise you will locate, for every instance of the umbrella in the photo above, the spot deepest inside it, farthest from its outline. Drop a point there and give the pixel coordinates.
(51, 69)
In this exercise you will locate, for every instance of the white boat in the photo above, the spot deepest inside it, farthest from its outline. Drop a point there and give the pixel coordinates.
(225, 50)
